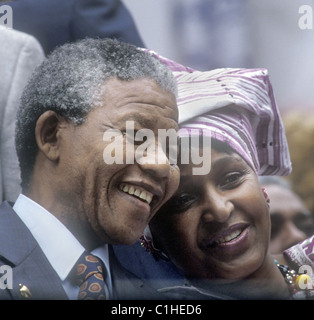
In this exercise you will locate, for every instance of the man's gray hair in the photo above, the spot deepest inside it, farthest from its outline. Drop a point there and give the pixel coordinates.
(71, 81)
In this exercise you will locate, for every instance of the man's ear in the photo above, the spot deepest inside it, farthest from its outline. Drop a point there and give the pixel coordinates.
(47, 134)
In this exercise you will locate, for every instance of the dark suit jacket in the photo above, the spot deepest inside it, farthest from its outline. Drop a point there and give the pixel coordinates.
(162, 275)
(31, 268)
(158, 274)
(55, 22)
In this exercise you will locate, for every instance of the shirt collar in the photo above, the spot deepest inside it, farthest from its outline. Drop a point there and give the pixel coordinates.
(59, 245)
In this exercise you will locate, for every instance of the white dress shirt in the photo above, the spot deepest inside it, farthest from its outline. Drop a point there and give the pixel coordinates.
(59, 245)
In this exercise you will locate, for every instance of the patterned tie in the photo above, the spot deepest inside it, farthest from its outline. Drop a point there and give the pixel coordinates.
(89, 275)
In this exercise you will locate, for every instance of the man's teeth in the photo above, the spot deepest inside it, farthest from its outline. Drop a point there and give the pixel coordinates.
(132, 190)
(229, 237)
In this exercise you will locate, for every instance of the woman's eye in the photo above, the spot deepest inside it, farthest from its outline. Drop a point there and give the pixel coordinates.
(232, 180)
(181, 202)
(185, 198)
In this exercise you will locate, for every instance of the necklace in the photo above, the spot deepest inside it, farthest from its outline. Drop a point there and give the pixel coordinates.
(291, 278)
(289, 275)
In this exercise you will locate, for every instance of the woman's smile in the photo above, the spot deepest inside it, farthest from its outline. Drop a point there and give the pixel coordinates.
(229, 236)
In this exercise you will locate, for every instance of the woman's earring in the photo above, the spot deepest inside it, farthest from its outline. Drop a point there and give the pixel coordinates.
(266, 197)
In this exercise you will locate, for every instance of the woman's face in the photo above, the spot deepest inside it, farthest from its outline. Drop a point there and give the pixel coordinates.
(216, 225)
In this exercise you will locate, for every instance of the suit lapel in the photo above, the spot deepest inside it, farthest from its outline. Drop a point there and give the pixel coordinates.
(37, 275)
(31, 268)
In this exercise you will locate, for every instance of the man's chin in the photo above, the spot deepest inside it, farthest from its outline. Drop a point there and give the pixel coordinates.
(125, 238)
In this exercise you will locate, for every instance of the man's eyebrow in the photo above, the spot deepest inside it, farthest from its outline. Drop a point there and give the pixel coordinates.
(143, 122)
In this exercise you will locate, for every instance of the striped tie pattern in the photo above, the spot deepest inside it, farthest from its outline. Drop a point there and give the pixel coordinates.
(89, 275)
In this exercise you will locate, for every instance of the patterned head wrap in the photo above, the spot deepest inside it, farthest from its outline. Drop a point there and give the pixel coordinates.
(235, 106)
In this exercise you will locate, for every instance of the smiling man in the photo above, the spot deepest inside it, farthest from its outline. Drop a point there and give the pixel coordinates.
(72, 200)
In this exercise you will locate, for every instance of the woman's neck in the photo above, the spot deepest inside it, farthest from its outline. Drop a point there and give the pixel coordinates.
(268, 282)
(265, 283)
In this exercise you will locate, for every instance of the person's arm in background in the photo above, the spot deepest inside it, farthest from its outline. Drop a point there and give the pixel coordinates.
(20, 53)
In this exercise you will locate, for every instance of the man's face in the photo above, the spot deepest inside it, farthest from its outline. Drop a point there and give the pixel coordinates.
(291, 222)
(118, 200)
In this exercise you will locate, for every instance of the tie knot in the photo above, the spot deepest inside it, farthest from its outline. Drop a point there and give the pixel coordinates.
(87, 266)
(88, 274)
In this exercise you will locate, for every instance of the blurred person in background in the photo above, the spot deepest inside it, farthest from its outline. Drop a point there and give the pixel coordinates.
(300, 132)
(291, 221)
(55, 22)
(20, 53)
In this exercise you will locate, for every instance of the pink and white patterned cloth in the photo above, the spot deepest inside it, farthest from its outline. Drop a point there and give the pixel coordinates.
(302, 253)
(236, 106)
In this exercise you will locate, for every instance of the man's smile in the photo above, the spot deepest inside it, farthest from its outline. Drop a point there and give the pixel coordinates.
(137, 192)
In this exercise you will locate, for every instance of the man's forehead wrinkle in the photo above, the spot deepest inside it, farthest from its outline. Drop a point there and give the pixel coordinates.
(150, 104)
(149, 101)
(139, 118)
(161, 105)
(106, 118)
(149, 98)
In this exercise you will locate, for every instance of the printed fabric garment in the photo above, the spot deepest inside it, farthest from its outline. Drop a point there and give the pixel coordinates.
(302, 256)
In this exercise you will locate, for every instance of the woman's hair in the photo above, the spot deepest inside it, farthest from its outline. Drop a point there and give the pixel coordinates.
(72, 81)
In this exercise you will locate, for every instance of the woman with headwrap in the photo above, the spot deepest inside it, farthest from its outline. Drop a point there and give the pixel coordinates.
(216, 228)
